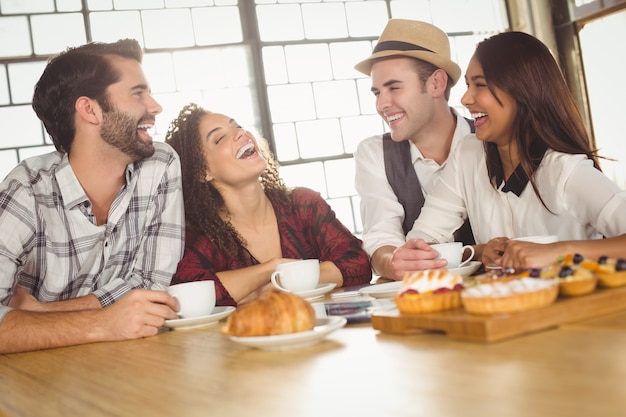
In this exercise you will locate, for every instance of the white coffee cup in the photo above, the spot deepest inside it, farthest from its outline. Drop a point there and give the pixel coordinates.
(539, 239)
(453, 253)
(195, 299)
(297, 276)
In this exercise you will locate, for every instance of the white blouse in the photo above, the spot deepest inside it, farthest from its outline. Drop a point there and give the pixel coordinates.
(584, 203)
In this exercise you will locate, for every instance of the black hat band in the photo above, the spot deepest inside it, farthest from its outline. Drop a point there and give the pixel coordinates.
(399, 46)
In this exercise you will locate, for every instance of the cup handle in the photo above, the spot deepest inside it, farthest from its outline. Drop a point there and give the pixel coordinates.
(469, 258)
(275, 282)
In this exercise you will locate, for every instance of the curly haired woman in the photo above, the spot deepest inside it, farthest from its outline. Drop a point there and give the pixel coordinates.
(242, 220)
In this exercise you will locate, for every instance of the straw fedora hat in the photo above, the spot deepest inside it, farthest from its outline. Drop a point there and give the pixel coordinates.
(415, 39)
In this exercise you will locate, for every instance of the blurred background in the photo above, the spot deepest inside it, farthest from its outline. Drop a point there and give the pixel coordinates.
(284, 68)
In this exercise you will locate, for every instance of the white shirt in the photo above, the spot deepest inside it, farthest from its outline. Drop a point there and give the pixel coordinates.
(585, 203)
(381, 213)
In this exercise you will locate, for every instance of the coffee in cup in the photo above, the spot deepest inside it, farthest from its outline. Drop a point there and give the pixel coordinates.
(297, 276)
(195, 299)
(453, 252)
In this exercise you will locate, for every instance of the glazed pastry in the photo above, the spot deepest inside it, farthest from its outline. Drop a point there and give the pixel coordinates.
(273, 313)
(510, 296)
(429, 291)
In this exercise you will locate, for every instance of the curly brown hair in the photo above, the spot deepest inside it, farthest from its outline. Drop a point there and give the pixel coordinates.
(203, 202)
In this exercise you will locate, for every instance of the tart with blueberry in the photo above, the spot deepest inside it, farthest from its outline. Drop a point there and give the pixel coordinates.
(611, 272)
(577, 275)
(429, 291)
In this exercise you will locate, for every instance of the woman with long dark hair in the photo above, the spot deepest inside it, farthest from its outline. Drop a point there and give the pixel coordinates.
(531, 171)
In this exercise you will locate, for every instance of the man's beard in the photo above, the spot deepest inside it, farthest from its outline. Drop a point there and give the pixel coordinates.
(120, 130)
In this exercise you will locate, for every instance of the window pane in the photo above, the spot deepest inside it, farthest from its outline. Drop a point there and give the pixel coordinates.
(274, 65)
(355, 129)
(319, 138)
(286, 142)
(367, 100)
(291, 102)
(26, 6)
(280, 22)
(308, 62)
(366, 18)
(342, 173)
(8, 160)
(49, 41)
(345, 55)
(4, 86)
(69, 5)
(324, 21)
(206, 20)
(138, 4)
(159, 70)
(19, 127)
(16, 29)
(179, 31)
(23, 78)
(310, 175)
(111, 26)
(336, 98)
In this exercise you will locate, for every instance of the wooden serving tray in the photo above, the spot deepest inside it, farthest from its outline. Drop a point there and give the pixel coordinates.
(460, 325)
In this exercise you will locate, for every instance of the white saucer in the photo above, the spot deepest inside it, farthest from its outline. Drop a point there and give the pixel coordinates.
(466, 270)
(386, 290)
(216, 315)
(320, 290)
(323, 327)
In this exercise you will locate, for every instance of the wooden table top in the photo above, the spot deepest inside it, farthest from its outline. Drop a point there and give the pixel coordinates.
(575, 370)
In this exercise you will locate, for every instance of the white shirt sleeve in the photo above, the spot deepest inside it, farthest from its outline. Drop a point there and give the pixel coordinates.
(594, 199)
(381, 213)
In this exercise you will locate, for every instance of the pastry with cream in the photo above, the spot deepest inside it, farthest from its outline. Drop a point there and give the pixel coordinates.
(510, 296)
(429, 291)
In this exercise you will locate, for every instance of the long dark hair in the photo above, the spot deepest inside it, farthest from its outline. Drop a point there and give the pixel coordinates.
(203, 202)
(84, 70)
(547, 117)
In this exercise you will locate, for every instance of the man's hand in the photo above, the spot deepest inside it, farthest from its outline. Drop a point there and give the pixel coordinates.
(414, 255)
(140, 313)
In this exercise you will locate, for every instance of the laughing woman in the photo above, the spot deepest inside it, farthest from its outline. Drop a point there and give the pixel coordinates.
(242, 220)
(531, 171)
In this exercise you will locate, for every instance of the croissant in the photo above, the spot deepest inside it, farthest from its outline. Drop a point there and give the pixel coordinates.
(273, 313)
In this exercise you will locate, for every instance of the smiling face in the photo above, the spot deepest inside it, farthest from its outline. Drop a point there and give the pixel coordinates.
(493, 114)
(130, 112)
(231, 153)
(402, 100)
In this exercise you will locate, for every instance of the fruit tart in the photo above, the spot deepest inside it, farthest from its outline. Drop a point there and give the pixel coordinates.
(576, 275)
(510, 296)
(611, 272)
(429, 291)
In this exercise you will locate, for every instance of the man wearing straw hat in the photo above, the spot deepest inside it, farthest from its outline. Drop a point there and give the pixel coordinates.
(411, 73)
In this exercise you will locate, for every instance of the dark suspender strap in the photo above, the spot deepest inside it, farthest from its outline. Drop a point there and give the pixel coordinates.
(402, 178)
(407, 188)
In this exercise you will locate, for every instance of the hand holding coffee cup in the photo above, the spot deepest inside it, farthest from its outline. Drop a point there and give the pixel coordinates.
(453, 252)
(296, 276)
(195, 299)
